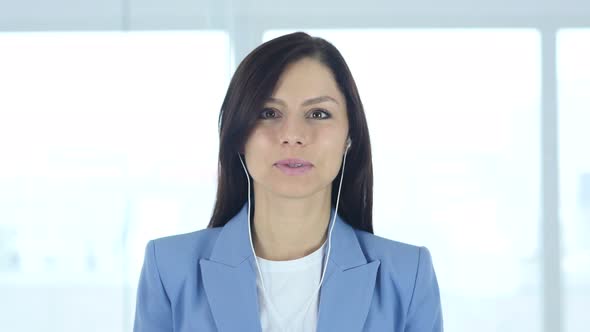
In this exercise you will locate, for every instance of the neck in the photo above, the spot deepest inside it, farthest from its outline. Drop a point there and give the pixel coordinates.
(286, 228)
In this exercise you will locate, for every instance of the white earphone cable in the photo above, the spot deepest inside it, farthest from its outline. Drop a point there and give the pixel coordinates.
(329, 237)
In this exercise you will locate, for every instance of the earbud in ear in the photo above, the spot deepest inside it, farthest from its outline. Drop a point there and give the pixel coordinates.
(348, 143)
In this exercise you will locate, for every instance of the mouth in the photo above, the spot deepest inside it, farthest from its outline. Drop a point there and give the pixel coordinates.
(294, 166)
(293, 162)
(298, 169)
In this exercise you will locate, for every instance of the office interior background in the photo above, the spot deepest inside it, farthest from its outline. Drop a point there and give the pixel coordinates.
(479, 115)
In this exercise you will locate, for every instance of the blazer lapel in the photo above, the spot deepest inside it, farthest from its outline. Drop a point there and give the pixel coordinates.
(349, 283)
(229, 280)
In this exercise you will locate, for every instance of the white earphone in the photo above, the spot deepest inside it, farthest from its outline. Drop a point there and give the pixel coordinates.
(348, 143)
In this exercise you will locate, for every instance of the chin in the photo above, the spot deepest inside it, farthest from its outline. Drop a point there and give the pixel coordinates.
(297, 189)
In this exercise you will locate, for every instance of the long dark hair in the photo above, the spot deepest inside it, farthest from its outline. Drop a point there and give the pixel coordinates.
(253, 83)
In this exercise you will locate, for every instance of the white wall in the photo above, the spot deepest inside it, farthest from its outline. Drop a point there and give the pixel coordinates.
(196, 14)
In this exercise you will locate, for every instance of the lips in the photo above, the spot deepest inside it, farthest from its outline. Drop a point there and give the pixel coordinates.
(293, 162)
(294, 166)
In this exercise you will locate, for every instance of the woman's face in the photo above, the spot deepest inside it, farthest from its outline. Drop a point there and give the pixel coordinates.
(306, 119)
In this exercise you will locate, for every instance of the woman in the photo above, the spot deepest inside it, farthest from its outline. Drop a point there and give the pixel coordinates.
(280, 252)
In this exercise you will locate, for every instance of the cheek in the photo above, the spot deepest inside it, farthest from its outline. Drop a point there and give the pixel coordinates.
(254, 142)
(258, 157)
(259, 138)
(332, 161)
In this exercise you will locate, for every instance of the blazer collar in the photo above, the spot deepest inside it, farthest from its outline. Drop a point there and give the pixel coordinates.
(230, 283)
(233, 244)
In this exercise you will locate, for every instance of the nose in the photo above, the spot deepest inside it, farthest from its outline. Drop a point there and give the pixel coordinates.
(293, 132)
(293, 141)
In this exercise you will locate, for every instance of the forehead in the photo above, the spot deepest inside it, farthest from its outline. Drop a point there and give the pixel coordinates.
(307, 78)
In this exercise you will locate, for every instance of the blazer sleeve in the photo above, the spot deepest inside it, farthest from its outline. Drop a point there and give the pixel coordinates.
(425, 310)
(153, 311)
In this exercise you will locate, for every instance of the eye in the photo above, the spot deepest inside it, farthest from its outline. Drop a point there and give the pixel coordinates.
(267, 111)
(320, 111)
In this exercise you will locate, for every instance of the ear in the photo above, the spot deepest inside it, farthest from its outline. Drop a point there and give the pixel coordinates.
(348, 143)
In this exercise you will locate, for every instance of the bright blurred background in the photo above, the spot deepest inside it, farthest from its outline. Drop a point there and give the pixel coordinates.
(479, 115)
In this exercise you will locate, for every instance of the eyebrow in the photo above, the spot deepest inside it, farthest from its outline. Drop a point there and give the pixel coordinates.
(311, 101)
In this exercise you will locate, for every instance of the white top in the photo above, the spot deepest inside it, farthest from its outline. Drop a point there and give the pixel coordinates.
(290, 285)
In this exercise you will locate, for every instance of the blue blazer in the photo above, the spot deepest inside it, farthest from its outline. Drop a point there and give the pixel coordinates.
(206, 281)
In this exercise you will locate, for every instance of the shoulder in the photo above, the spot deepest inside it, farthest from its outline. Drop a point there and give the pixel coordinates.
(377, 247)
(402, 262)
(178, 251)
(409, 271)
(193, 240)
